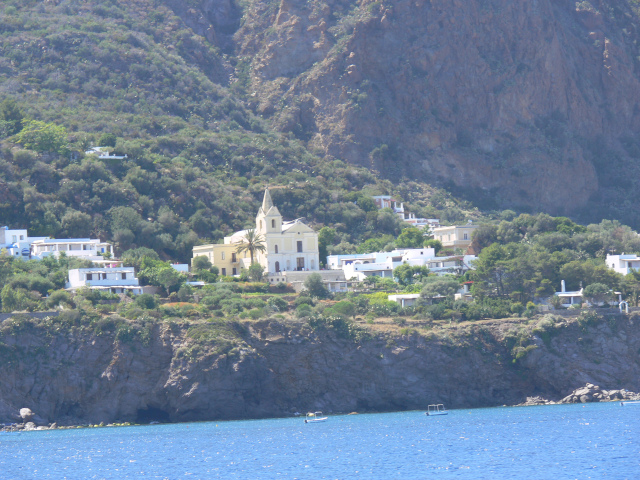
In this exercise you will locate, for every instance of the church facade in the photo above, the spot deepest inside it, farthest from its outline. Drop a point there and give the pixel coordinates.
(289, 246)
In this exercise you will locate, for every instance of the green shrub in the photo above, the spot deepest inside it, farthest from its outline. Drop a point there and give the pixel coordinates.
(304, 310)
(278, 304)
(146, 301)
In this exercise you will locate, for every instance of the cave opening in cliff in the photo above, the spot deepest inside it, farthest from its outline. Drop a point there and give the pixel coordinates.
(152, 414)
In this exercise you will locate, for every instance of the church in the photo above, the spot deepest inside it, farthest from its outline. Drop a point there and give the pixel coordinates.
(289, 246)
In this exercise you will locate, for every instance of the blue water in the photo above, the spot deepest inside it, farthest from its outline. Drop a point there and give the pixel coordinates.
(550, 442)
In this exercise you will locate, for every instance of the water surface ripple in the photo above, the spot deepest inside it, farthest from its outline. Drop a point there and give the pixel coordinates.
(550, 442)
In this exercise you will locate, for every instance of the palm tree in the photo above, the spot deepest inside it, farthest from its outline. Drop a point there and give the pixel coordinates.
(252, 242)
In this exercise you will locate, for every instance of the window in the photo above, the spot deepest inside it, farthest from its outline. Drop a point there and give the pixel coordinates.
(273, 224)
(466, 236)
(276, 248)
(224, 272)
(234, 259)
(235, 271)
(277, 267)
(222, 254)
(300, 264)
(21, 237)
(14, 238)
(124, 276)
(299, 245)
(89, 276)
(260, 224)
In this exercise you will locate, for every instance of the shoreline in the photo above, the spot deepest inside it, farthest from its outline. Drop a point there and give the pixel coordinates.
(588, 394)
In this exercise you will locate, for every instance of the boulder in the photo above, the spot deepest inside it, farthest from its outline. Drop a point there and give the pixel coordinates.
(26, 414)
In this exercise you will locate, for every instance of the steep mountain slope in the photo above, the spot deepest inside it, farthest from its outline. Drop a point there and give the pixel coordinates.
(523, 105)
(198, 157)
(531, 104)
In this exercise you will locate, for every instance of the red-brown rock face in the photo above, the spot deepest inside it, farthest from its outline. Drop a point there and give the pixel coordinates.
(531, 103)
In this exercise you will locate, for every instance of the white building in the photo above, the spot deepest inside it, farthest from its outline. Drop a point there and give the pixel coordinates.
(114, 280)
(577, 297)
(86, 248)
(104, 153)
(17, 242)
(361, 265)
(290, 246)
(334, 280)
(623, 264)
(405, 299)
(387, 201)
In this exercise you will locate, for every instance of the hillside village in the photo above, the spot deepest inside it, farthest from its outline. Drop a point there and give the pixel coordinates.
(438, 275)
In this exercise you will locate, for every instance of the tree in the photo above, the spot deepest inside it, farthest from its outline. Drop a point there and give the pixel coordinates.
(43, 137)
(200, 263)
(445, 286)
(597, 293)
(435, 244)
(146, 301)
(315, 286)
(326, 237)
(76, 224)
(10, 118)
(168, 277)
(411, 237)
(107, 140)
(407, 274)
(256, 272)
(252, 242)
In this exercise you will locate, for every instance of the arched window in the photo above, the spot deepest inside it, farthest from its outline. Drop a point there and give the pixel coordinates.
(276, 247)
(273, 224)
(277, 267)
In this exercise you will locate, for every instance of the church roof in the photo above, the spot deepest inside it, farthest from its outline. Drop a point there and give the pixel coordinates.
(267, 203)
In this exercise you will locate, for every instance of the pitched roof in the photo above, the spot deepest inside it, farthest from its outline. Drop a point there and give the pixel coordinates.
(267, 203)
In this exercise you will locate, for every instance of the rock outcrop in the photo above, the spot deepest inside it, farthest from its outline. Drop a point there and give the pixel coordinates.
(172, 372)
(593, 393)
(531, 104)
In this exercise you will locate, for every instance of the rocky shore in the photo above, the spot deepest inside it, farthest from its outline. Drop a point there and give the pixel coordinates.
(587, 394)
(161, 371)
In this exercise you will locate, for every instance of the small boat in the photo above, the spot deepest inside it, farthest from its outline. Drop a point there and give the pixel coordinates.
(315, 417)
(436, 410)
(635, 402)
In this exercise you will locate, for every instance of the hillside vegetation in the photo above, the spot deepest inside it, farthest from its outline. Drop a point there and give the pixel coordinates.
(212, 101)
(198, 157)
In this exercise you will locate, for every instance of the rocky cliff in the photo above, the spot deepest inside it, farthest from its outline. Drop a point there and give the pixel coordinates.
(91, 372)
(526, 104)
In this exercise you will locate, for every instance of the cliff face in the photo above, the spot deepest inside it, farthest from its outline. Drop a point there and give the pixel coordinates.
(531, 104)
(75, 375)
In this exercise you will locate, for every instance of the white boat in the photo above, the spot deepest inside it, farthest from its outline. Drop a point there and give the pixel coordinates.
(635, 402)
(315, 417)
(436, 410)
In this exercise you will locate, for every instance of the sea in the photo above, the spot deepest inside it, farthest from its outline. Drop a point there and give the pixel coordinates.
(598, 440)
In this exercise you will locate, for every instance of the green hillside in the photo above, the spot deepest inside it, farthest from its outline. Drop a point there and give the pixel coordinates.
(198, 158)
(173, 86)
